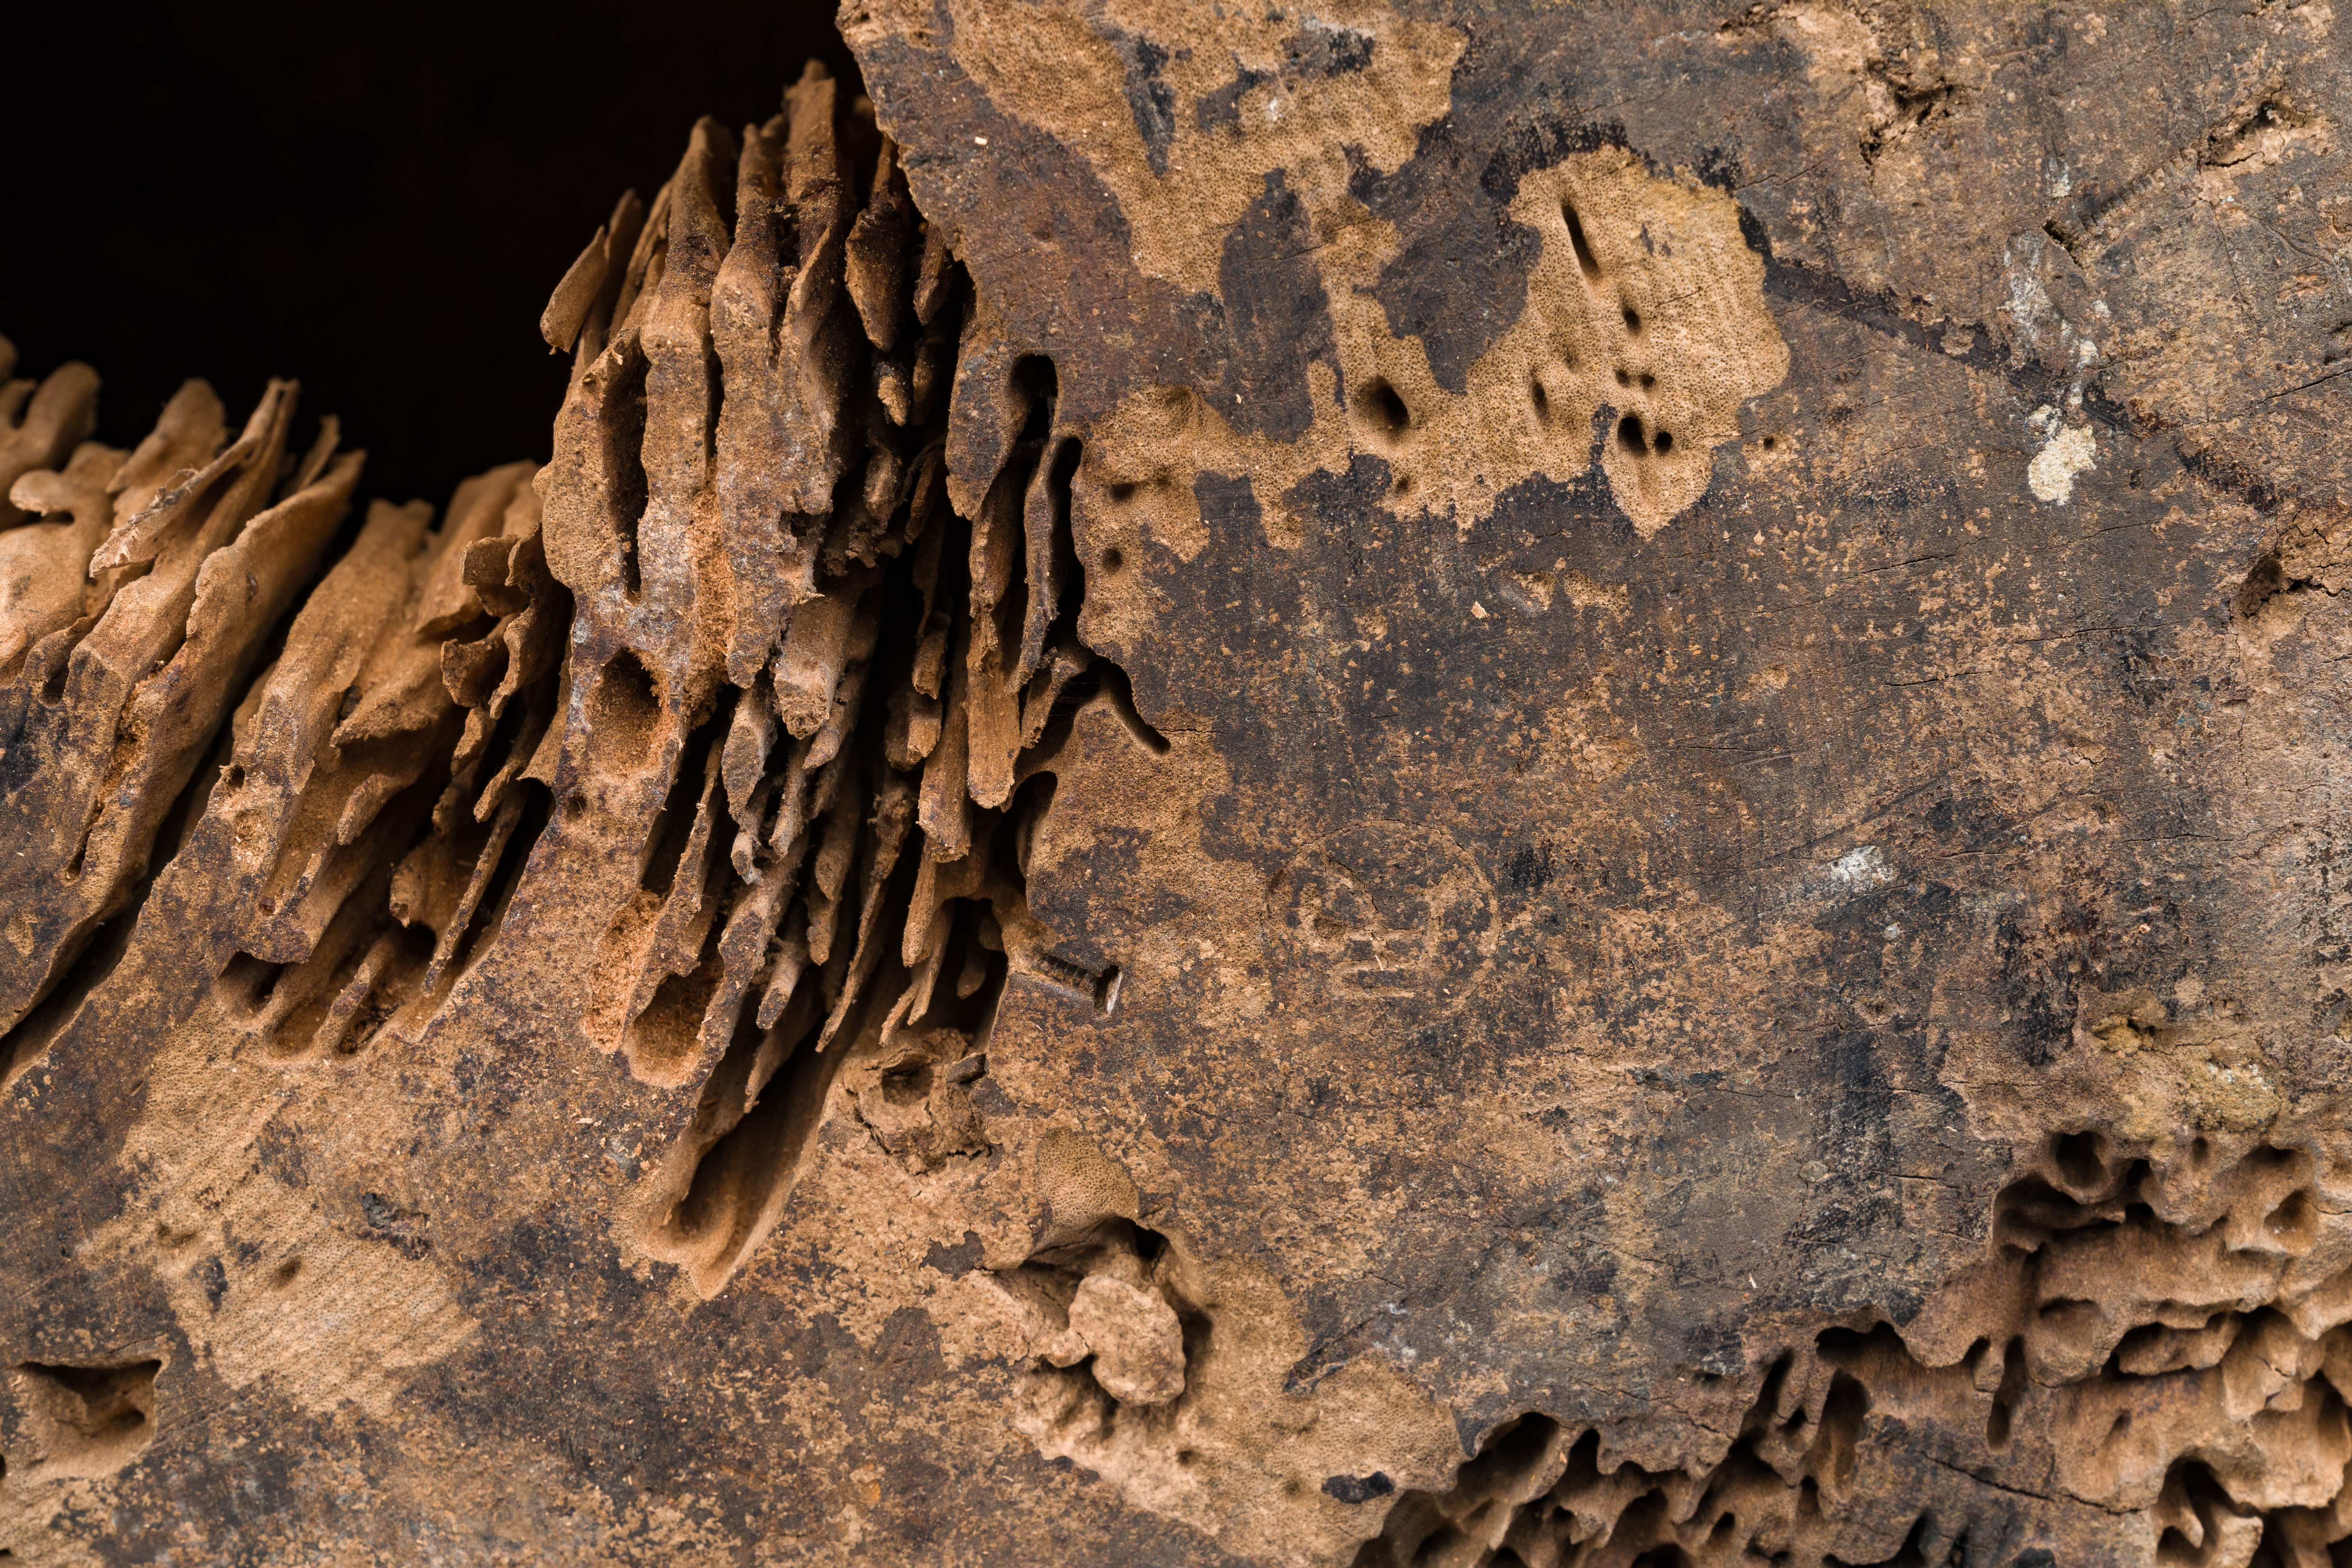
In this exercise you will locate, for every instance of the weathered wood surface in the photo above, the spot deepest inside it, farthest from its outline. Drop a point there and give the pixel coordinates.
(1381, 785)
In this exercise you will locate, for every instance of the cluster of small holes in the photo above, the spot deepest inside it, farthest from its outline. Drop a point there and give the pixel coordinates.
(1634, 436)
(1125, 492)
(1637, 435)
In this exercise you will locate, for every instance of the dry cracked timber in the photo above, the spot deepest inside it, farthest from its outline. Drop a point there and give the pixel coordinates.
(1362, 786)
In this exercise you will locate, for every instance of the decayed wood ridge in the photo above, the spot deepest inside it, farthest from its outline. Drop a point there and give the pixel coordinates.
(1383, 786)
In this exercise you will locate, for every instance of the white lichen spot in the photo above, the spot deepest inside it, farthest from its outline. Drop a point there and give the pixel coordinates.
(2065, 452)
(1863, 867)
(2028, 301)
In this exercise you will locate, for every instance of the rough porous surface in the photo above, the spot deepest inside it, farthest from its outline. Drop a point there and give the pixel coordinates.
(1356, 785)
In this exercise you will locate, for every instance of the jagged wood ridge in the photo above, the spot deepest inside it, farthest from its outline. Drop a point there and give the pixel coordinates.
(800, 693)
(2158, 1353)
(132, 627)
(366, 732)
(800, 696)
(808, 689)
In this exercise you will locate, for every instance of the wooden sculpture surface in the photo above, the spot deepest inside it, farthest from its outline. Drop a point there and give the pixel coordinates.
(1370, 784)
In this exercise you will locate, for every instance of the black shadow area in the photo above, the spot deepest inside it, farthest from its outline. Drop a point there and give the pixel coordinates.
(374, 199)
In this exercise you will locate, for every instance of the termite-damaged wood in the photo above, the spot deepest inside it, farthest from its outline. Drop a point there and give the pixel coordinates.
(1241, 791)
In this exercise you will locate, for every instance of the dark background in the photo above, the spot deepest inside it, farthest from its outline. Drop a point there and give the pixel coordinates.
(376, 200)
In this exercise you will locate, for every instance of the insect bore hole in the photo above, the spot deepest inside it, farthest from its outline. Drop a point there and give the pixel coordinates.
(1381, 410)
(1586, 262)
